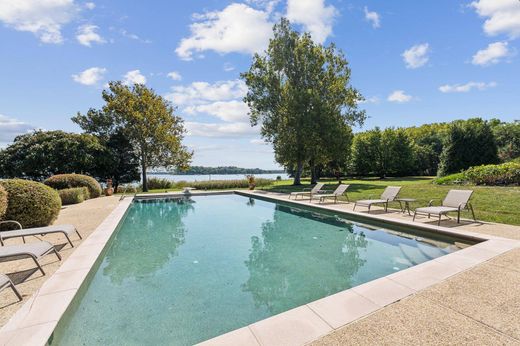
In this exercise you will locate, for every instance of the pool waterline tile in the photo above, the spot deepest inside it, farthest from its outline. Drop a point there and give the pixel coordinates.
(311, 323)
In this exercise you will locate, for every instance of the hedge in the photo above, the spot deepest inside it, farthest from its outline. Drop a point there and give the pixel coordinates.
(67, 181)
(30, 203)
(503, 174)
(3, 202)
(159, 183)
(74, 195)
(457, 178)
(224, 184)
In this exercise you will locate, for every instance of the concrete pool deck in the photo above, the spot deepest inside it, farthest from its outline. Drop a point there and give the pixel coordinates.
(456, 301)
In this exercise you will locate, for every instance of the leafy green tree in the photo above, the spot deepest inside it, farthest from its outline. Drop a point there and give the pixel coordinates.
(507, 136)
(300, 94)
(428, 141)
(40, 154)
(468, 143)
(120, 163)
(148, 122)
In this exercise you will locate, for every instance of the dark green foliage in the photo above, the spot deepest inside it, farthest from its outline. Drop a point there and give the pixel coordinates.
(383, 153)
(120, 162)
(468, 143)
(3, 202)
(66, 181)
(41, 154)
(73, 195)
(503, 174)
(31, 203)
(507, 136)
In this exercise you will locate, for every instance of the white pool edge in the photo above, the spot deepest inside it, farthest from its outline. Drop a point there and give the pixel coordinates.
(36, 320)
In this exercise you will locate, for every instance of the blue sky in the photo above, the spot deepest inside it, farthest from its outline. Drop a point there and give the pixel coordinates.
(414, 61)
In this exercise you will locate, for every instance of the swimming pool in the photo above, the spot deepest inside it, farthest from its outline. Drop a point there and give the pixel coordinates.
(185, 270)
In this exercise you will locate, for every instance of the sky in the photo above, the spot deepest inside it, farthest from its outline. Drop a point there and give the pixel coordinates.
(415, 62)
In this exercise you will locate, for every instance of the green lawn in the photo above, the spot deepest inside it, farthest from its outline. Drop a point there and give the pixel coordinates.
(496, 204)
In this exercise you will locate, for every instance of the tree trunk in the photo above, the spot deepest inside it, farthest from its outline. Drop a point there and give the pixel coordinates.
(298, 174)
(314, 175)
(145, 182)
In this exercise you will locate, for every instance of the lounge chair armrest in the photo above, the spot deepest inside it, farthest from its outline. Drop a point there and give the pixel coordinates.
(462, 206)
(12, 221)
(430, 203)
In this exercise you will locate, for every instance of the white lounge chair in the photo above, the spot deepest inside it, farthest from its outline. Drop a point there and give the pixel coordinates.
(340, 191)
(455, 201)
(308, 192)
(6, 282)
(67, 231)
(387, 196)
(35, 251)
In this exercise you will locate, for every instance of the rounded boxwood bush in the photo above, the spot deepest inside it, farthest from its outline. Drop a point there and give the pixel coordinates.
(30, 203)
(74, 195)
(3, 202)
(67, 181)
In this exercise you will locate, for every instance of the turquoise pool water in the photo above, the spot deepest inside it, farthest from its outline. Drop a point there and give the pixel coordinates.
(180, 272)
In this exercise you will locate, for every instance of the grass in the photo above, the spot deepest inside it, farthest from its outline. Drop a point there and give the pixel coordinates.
(491, 203)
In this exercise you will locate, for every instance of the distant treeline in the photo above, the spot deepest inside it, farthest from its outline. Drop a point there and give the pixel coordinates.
(201, 170)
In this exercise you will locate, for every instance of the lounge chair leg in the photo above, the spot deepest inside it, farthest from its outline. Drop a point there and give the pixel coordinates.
(386, 207)
(68, 239)
(414, 213)
(369, 208)
(354, 207)
(401, 206)
(79, 235)
(23, 238)
(348, 200)
(57, 254)
(439, 222)
(472, 212)
(16, 292)
(458, 216)
(38, 265)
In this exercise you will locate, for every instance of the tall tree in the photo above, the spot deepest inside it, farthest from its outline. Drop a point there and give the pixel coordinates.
(120, 163)
(148, 121)
(468, 143)
(40, 154)
(300, 93)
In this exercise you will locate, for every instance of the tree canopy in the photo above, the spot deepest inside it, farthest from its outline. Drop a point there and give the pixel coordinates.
(146, 120)
(299, 92)
(41, 154)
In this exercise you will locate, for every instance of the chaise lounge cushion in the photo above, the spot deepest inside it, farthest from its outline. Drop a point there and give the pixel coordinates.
(435, 210)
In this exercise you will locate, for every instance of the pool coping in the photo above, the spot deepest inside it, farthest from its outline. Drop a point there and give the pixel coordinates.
(36, 320)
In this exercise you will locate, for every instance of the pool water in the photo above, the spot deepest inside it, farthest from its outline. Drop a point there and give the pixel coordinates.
(180, 272)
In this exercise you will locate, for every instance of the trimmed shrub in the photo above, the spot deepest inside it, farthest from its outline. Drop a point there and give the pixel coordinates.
(30, 203)
(67, 181)
(3, 202)
(74, 195)
(159, 183)
(504, 174)
(457, 178)
(223, 184)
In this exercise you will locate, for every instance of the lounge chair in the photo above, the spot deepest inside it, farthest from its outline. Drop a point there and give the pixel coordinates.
(387, 196)
(32, 250)
(67, 231)
(340, 191)
(6, 282)
(455, 201)
(308, 192)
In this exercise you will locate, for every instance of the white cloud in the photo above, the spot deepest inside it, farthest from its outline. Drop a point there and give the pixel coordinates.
(258, 141)
(372, 17)
(44, 18)
(174, 75)
(373, 99)
(90, 5)
(228, 111)
(315, 17)
(10, 128)
(87, 34)
(399, 96)
(503, 16)
(416, 56)
(134, 77)
(492, 54)
(132, 36)
(237, 28)
(198, 93)
(463, 88)
(238, 129)
(90, 76)
(228, 67)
